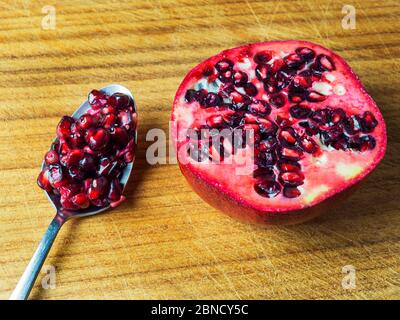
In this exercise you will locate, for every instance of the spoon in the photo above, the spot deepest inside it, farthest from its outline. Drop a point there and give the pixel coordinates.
(25, 284)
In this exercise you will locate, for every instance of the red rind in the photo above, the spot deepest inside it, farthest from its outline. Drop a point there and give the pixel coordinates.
(230, 202)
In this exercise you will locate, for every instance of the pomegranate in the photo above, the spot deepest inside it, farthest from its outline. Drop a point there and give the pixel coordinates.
(312, 130)
(89, 153)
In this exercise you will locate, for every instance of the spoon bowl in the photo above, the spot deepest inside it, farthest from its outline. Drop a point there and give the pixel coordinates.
(29, 276)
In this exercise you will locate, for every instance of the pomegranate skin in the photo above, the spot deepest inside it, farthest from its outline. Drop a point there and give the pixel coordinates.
(232, 204)
(240, 211)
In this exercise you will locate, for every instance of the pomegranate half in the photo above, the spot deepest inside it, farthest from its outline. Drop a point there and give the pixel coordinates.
(275, 132)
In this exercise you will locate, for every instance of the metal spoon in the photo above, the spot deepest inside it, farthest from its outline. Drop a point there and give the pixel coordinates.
(25, 284)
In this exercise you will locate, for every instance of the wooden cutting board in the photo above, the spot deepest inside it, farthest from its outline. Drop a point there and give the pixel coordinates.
(164, 241)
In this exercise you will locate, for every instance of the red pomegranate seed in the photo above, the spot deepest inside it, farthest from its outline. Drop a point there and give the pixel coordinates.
(267, 189)
(292, 154)
(97, 139)
(98, 188)
(288, 166)
(368, 122)
(72, 158)
(97, 99)
(250, 89)
(109, 121)
(43, 180)
(87, 121)
(291, 178)
(81, 200)
(125, 119)
(64, 127)
(121, 100)
(240, 78)
(68, 204)
(314, 96)
(291, 192)
(215, 121)
(51, 157)
(288, 135)
(115, 190)
(224, 65)
(262, 57)
(69, 190)
(308, 144)
(57, 176)
(278, 100)
(119, 137)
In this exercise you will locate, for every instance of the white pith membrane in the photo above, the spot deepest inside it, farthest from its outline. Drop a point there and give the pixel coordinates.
(326, 173)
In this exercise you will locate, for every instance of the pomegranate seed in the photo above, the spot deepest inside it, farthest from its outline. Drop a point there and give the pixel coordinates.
(250, 89)
(310, 129)
(68, 204)
(98, 188)
(337, 116)
(224, 65)
(321, 116)
(107, 167)
(268, 144)
(97, 99)
(215, 121)
(314, 96)
(292, 179)
(300, 111)
(278, 100)
(125, 119)
(191, 95)
(72, 158)
(288, 166)
(226, 77)
(325, 63)
(43, 180)
(115, 190)
(80, 200)
(267, 159)
(212, 100)
(120, 100)
(267, 189)
(306, 53)
(352, 124)
(76, 173)
(293, 60)
(308, 144)
(367, 143)
(87, 121)
(291, 154)
(69, 190)
(283, 121)
(267, 127)
(262, 57)
(291, 192)
(97, 138)
(64, 127)
(265, 173)
(240, 78)
(51, 157)
(368, 122)
(288, 136)
(57, 176)
(263, 71)
(119, 137)
(108, 110)
(261, 108)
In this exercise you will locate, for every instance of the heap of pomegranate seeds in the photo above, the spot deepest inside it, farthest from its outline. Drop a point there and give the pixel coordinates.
(86, 160)
(295, 81)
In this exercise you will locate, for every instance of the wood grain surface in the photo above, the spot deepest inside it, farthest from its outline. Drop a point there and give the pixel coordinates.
(164, 241)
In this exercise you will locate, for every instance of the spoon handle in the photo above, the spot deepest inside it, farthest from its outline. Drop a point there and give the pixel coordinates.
(25, 284)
